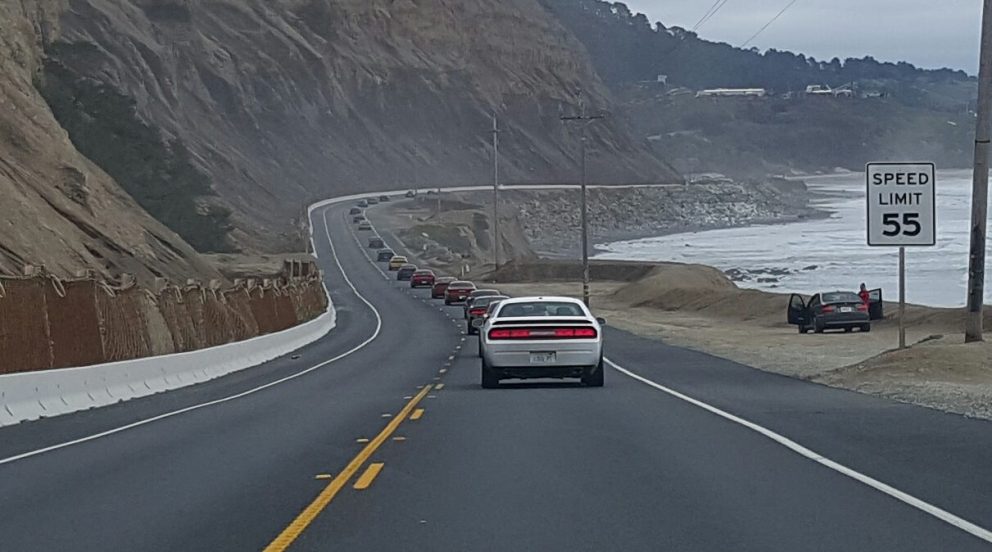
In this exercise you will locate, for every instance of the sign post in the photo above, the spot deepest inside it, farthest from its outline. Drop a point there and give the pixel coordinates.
(902, 212)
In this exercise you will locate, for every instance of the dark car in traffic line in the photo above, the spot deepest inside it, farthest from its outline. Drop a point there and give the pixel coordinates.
(441, 286)
(383, 198)
(829, 310)
(384, 255)
(376, 242)
(363, 203)
(406, 272)
(477, 311)
(365, 226)
(410, 193)
(422, 278)
(457, 292)
(355, 211)
(373, 201)
(475, 295)
(358, 218)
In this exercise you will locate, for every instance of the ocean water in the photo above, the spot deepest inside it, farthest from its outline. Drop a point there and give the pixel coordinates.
(835, 246)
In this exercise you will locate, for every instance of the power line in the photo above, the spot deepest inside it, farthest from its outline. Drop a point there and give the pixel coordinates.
(709, 14)
(769, 24)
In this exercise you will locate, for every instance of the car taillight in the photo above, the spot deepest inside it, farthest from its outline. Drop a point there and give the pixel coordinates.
(509, 334)
(543, 333)
(862, 307)
(577, 333)
(477, 312)
(826, 309)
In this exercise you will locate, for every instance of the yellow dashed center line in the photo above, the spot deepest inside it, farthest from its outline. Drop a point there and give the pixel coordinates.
(417, 414)
(310, 513)
(365, 481)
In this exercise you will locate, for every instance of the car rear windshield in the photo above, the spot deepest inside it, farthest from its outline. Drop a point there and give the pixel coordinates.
(484, 301)
(541, 308)
(461, 285)
(424, 273)
(841, 297)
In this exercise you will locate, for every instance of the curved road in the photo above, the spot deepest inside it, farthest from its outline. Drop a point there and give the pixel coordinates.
(390, 402)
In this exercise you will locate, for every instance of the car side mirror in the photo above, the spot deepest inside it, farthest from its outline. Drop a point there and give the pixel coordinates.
(601, 321)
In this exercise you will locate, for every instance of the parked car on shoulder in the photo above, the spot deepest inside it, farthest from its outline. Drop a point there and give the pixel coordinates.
(384, 255)
(441, 286)
(396, 262)
(457, 292)
(422, 278)
(842, 310)
(406, 272)
(376, 242)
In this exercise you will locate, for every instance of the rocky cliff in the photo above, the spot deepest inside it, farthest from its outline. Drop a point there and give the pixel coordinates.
(284, 101)
(57, 208)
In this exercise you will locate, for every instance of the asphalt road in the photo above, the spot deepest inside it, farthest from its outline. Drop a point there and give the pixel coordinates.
(536, 466)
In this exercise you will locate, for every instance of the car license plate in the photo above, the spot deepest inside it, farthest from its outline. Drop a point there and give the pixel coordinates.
(846, 309)
(542, 358)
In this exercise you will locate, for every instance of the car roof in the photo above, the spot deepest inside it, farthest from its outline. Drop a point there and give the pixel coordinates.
(398, 257)
(425, 271)
(463, 282)
(543, 299)
(489, 291)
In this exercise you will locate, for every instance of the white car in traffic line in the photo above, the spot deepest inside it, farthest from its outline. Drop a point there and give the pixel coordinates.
(542, 337)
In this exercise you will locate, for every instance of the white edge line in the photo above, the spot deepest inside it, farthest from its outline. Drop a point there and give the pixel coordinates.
(252, 391)
(901, 496)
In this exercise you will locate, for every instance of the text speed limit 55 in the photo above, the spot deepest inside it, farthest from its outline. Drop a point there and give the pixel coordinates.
(901, 204)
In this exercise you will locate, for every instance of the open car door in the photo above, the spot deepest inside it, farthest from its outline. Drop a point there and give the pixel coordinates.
(797, 310)
(875, 311)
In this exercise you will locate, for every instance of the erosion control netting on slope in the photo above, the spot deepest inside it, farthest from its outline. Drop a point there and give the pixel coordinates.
(49, 323)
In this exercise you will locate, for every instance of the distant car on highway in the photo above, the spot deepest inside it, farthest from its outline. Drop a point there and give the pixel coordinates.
(457, 292)
(384, 255)
(476, 294)
(383, 198)
(542, 337)
(406, 272)
(376, 242)
(396, 262)
(355, 211)
(358, 218)
(365, 225)
(363, 203)
(410, 193)
(441, 286)
(476, 312)
(830, 310)
(373, 201)
(422, 278)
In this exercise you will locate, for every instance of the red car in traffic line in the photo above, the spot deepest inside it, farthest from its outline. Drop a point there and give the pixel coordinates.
(441, 286)
(422, 278)
(457, 292)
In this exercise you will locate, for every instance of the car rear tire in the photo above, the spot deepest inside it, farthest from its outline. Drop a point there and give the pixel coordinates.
(489, 379)
(847, 329)
(866, 327)
(818, 327)
(593, 377)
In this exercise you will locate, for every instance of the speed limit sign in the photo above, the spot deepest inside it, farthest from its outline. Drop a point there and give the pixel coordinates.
(902, 208)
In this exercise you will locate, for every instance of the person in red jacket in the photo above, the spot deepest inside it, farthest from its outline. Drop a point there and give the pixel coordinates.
(864, 295)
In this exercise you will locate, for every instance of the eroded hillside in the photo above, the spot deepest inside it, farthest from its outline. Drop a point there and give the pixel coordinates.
(57, 208)
(282, 102)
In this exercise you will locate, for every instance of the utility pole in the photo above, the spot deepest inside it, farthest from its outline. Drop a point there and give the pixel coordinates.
(585, 120)
(495, 196)
(980, 185)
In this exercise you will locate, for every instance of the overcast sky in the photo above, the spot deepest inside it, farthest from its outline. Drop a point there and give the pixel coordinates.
(927, 33)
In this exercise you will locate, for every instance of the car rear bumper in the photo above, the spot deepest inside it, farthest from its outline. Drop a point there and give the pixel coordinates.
(515, 357)
(844, 319)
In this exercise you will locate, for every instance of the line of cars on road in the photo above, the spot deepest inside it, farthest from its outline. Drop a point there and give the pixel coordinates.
(519, 338)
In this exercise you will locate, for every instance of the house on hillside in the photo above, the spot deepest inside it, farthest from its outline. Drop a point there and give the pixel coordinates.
(732, 92)
(824, 90)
